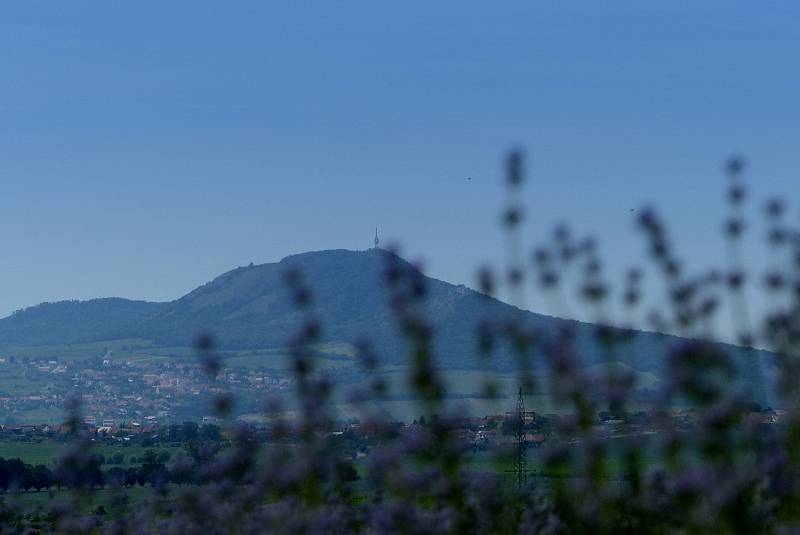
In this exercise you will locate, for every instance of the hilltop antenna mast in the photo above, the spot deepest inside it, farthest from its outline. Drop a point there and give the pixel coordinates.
(377, 241)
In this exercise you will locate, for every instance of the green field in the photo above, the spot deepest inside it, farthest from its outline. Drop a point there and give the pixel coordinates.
(464, 389)
(501, 464)
(28, 501)
(47, 451)
(80, 351)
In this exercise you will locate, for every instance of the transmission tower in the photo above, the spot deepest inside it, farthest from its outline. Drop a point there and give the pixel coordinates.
(522, 461)
(520, 470)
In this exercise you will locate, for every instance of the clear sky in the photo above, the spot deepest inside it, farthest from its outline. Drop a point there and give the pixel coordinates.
(146, 148)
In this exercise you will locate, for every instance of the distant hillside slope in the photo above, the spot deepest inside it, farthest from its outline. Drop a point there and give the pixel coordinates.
(68, 322)
(250, 308)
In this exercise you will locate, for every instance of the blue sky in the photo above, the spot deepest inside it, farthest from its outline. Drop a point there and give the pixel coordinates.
(146, 148)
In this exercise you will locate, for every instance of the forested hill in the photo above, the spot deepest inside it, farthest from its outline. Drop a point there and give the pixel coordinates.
(251, 308)
(67, 322)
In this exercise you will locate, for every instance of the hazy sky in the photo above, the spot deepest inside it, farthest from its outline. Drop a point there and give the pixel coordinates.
(145, 149)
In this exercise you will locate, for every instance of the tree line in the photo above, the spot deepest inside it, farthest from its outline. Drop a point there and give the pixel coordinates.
(16, 475)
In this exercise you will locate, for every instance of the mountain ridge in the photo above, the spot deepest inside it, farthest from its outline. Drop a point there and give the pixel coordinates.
(251, 307)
